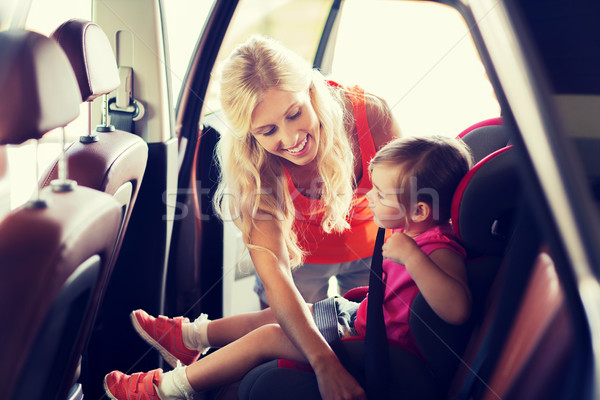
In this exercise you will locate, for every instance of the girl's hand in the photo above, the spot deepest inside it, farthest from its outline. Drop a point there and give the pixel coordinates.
(399, 247)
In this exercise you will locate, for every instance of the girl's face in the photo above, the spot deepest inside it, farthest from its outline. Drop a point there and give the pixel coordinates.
(383, 198)
(285, 124)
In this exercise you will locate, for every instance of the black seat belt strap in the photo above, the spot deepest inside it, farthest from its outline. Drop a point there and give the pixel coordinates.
(377, 360)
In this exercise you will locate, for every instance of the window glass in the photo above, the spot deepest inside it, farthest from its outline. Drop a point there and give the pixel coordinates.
(298, 24)
(420, 58)
(184, 20)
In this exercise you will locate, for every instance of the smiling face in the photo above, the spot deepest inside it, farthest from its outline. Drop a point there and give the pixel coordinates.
(285, 124)
(383, 198)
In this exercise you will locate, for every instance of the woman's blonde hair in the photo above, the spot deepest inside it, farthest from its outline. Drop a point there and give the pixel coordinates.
(252, 183)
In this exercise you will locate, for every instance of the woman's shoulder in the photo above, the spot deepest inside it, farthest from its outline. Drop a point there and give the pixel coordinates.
(382, 124)
(384, 127)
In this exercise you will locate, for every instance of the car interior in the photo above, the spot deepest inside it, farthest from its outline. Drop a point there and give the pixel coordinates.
(122, 217)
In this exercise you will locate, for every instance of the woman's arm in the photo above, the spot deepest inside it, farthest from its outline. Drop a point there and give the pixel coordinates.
(441, 276)
(293, 315)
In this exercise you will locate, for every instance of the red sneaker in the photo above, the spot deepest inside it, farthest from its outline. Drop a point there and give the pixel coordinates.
(165, 335)
(139, 386)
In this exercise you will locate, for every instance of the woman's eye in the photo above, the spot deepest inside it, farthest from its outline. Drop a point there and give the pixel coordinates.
(380, 196)
(295, 115)
(270, 132)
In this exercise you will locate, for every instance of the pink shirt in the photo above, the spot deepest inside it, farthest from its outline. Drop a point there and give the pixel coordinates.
(401, 290)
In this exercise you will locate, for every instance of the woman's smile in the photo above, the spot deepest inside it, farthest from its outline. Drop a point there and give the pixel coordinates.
(300, 148)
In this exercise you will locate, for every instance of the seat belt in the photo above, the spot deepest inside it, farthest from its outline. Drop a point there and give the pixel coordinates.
(519, 259)
(377, 359)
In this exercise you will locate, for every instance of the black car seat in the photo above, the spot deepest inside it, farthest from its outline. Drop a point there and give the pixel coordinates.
(106, 159)
(54, 249)
(485, 137)
(482, 213)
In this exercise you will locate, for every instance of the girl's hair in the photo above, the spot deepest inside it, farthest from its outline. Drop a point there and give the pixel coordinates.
(430, 170)
(252, 180)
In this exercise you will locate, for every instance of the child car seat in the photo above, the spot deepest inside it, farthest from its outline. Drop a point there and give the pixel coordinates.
(482, 215)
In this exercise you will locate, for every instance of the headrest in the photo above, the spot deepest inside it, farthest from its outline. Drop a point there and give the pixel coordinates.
(486, 122)
(38, 90)
(485, 140)
(484, 204)
(91, 56)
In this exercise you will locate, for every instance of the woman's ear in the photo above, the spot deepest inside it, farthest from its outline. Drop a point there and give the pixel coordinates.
(421, 212)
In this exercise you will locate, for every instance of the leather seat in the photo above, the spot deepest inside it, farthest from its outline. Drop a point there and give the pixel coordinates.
(111, 161)
(54, 249)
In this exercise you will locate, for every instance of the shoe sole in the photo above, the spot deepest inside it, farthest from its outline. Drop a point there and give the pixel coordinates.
(170, 358)
(108, 391)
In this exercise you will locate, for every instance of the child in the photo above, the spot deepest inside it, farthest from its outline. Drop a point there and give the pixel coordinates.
(414, 180)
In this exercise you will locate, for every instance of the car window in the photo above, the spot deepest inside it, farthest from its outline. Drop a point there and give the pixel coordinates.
(184, 21)
(298, 24)
(420, 58)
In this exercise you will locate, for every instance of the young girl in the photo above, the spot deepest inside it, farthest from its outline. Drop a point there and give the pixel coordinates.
(413, 183)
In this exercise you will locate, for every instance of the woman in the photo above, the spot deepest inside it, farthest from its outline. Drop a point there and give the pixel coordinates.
(294, 178)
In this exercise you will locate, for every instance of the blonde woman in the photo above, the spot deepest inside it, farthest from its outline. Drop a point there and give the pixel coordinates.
(294, 180)
(297, 154)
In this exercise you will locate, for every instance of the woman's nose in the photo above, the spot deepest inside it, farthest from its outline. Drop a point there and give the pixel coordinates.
(289, 137)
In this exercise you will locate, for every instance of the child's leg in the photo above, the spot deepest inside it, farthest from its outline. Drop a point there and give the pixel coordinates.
(232, 362)
(223, 331)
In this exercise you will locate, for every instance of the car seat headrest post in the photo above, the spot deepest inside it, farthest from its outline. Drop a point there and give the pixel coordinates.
(104, 125)
(36, 201)
(62, 184)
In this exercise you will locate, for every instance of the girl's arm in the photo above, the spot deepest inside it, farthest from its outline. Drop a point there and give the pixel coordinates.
(293, 315)
(441, 277)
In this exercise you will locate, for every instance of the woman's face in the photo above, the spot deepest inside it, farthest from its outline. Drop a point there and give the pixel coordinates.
(383, 198)
(285, 124)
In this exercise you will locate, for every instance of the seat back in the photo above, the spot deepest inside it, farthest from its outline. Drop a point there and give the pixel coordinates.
(107, 160)
(54, 248)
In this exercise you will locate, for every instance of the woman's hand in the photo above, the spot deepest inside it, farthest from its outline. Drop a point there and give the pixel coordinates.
(335, 383)
(399, 248)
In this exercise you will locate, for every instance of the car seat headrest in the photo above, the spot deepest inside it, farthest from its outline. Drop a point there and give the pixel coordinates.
(485, 139)
(91, 57)
(38, 90)
(484, 203)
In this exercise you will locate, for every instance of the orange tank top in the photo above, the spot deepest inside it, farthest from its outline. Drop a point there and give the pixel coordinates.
(358, 241)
